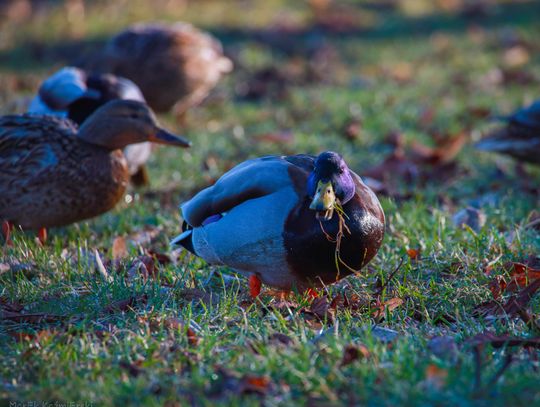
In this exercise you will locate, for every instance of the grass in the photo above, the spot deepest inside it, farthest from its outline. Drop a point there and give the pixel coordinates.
(126, 339)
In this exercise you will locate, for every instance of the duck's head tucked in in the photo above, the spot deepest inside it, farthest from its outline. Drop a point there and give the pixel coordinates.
(329, 184)
(120, 123)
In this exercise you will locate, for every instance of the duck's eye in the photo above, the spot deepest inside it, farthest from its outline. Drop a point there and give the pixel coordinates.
(341, 170)
(133, 116)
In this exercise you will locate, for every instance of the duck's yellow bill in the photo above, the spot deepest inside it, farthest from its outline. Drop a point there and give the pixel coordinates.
(324, 198)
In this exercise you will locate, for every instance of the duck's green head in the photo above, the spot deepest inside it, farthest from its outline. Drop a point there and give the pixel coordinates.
(329, 183)
(120, 123)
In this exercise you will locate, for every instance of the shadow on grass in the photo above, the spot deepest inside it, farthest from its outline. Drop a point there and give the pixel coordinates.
(300, 40)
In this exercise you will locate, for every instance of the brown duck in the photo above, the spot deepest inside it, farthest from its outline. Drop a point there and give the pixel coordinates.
(174, 65)
(54, 173)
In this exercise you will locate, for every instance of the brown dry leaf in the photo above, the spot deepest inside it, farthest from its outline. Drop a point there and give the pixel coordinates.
(354, 352)
(126, 304)
(192, 337)
(497, 287)
(498, 341)
(320, 307)
(513, 306)
(195, 294)
(144, 237)
(446, 150)
(119, 248)
(352, 129)
(521, 275)
(250, 384)
(436, 376)
(395, 166)
(414, 254)
(402, 71)
(30, 336)
(161, 258)
(280, 339)
(387, 306)
(516, 56)
(144, 266)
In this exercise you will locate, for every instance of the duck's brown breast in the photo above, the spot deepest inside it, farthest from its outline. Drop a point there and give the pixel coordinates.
(86, 182)
(311, 253)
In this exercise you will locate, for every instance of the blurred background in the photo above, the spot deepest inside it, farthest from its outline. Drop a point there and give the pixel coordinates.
(360, 77)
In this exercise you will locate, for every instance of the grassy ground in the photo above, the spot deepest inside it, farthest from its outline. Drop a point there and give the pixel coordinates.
(189, 334)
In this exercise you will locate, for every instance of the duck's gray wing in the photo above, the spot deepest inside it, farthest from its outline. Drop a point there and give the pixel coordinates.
(249, 180)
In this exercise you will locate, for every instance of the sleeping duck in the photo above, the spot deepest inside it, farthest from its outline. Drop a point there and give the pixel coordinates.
(174, 65)
(281, 221)
(55, 173)
(76, 94)
(520, 138)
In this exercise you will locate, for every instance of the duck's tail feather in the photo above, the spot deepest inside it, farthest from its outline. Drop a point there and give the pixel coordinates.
(184, 239)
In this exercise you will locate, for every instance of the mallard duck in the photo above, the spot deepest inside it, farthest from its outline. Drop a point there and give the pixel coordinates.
(174, 65)
(74, 93)
(280, 220)
(520, 138)
(54, 173)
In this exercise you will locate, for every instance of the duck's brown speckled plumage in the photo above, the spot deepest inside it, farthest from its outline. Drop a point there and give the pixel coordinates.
(172, 64)
(50, 177)
(53, 173)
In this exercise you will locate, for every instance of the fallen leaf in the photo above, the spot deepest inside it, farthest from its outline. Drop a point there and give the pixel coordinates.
(515, 304)
(125, 304)
(387, 306)
(144, 237)
(320, 307)
(395, 166)
(351, 130)
(30, 336)
(516, 56)
(353, 352)
(144, 266)
(413, 254)
(192, 337)
(119, 248)
(436, 376)
(446, 150)
(250, 384)
(512, 306)
(195, 294)
(280, 339)
(497, 287)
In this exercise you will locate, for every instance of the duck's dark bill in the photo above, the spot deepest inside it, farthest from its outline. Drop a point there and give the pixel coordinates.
(164, 137)
(324, 215)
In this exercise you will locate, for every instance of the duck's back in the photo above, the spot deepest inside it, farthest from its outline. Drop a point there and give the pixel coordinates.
(273, 232)
(52, 178)
(169, 63)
